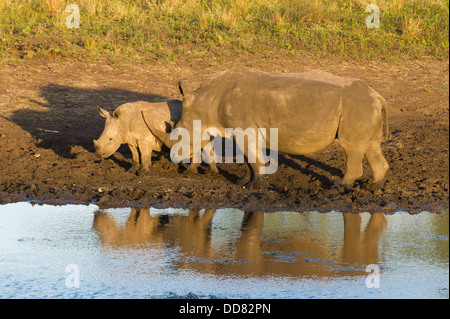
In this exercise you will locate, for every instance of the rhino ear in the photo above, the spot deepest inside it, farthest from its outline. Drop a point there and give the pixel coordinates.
(116, 113)
(186, 95)
(103, 113)
(180, 88)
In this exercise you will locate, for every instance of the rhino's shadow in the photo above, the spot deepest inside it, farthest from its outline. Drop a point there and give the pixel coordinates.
(312, 169)
(71, 117)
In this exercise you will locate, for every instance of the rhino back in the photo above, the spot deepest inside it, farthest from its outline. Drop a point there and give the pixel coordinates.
(305, 112)
(307, 108)
(134, 124)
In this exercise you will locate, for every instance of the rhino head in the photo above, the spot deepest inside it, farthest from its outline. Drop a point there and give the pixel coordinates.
(163, 133)
(111, 137)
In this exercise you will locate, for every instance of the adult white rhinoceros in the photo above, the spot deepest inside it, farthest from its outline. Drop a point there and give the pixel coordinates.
(310, 110)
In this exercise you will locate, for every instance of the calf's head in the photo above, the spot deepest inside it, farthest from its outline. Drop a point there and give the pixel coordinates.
(111, 137)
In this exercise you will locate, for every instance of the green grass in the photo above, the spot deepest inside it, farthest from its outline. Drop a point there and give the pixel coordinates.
(164, 30)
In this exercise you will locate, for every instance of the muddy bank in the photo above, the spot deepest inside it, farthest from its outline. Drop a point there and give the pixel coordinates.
(49, 120)
(415, 182)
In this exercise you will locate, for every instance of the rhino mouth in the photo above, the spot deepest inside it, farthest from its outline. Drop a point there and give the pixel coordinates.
(100, 155)
(99, 152)
(103, 154)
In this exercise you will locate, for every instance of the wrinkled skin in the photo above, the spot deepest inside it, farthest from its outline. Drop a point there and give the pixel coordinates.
(309, 109)
(158, 124)
(126, 126)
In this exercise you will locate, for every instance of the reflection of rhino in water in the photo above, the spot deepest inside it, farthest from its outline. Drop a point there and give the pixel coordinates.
(303, 253)
(252, 251)
(142, 228)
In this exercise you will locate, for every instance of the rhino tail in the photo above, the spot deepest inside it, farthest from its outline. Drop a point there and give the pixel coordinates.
(385, 109)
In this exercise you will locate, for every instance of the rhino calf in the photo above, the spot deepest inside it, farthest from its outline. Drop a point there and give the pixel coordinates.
(126, 126)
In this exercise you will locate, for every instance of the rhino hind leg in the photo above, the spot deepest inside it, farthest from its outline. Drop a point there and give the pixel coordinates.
(377, 162)
(372, 151)
(354, 167)
(145, 151)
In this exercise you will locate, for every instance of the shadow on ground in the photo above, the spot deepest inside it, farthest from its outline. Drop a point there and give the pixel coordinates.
(71, 117)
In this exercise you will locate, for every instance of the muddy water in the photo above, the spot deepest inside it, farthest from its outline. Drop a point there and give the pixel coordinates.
(83, 252)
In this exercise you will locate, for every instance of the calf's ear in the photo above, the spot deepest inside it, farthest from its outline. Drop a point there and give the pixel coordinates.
(103, 113)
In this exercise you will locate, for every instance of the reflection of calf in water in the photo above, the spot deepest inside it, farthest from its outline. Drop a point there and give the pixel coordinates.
(299, 253)
(142, 228)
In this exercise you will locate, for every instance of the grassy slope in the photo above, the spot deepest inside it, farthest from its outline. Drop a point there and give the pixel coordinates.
(161, 30)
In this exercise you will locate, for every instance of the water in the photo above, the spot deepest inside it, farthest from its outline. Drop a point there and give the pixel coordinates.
(82, 252)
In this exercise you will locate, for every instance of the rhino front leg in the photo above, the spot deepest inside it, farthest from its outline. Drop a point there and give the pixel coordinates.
(258, 181)
(135, 156)
(248, 174)
(192, 169)
(146, 150)
(212, 167)
(252, 178)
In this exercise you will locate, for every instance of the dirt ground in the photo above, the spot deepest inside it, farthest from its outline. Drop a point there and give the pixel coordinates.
(48, 119)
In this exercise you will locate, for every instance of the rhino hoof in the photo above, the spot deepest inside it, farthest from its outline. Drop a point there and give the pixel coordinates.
(144, 172)
(259, 183)
(372, 187)
(212, 172)
(341, 188)
(244, 180)
(190, 172)
(133, 170)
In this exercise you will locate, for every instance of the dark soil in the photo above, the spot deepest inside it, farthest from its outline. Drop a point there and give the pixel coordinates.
(48, 120)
